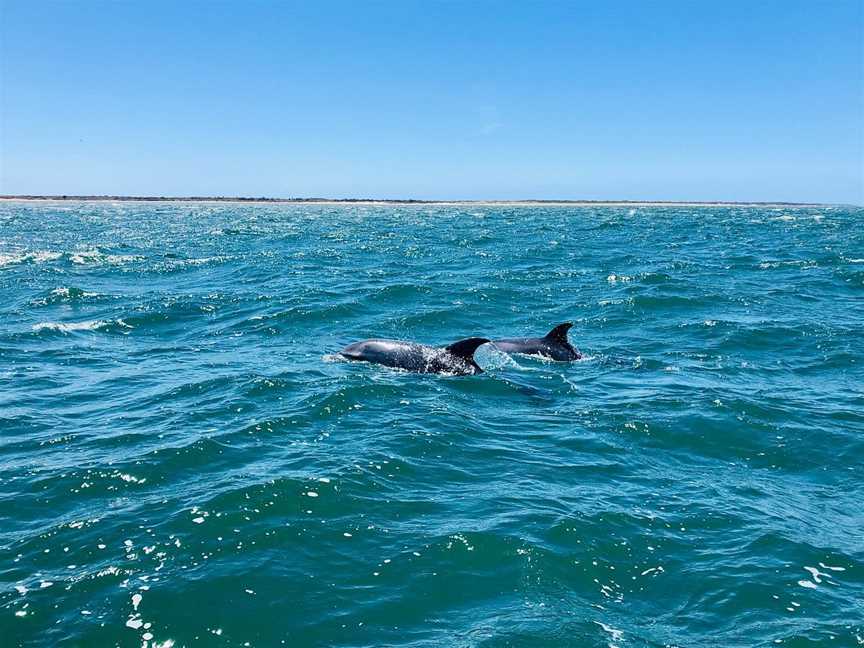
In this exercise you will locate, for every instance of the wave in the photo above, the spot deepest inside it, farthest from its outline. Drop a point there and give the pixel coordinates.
(66, 295)
(68, 327)
(28, 257)
(87, 325)
(78, 257)
(96, 257)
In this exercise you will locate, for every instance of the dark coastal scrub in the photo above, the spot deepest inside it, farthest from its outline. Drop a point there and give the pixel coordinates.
(185, 460)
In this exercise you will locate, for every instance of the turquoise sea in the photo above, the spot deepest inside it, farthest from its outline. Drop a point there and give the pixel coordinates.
(184, 463)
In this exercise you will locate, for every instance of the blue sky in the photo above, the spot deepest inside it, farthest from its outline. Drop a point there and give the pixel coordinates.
(463, 100)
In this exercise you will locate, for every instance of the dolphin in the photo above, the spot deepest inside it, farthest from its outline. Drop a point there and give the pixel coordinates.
(457, 358)
(554, 345)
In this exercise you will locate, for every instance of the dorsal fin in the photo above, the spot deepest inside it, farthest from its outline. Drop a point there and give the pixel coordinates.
(465, 349)
(559, 333)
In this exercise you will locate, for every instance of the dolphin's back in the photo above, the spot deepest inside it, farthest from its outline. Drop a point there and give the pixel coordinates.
(533, 346)
(553, 345)
(457, 358)
(518, 345)
(391, 353)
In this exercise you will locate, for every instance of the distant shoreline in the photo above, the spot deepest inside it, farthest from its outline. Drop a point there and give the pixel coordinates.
(408, 201)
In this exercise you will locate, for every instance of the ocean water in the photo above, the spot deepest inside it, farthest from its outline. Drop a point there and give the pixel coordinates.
(183, 462)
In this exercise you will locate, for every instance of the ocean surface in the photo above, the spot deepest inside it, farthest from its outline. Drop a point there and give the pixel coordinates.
(184, 462)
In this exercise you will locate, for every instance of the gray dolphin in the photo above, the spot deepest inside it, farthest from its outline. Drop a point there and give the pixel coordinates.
(457, 358)
(554, 345)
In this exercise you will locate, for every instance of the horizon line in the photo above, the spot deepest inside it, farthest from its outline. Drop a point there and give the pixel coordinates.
(406, 201)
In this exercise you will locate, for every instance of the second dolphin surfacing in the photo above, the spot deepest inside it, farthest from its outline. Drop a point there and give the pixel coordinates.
(554, 345)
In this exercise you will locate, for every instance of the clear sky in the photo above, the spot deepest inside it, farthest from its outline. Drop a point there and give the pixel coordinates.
(723, 100)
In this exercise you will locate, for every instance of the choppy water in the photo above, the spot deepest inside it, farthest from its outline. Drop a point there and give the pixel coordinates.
(180, 462)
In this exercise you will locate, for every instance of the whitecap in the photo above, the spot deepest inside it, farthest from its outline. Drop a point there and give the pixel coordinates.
(614, 633)
(38, 257)
(131, 478)
(613, 278)
(97, 257)
(824, 566)
(67, 292)
(815, 574)
(334, 357)
(66, 327)
(651, 570)
(206, 260)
